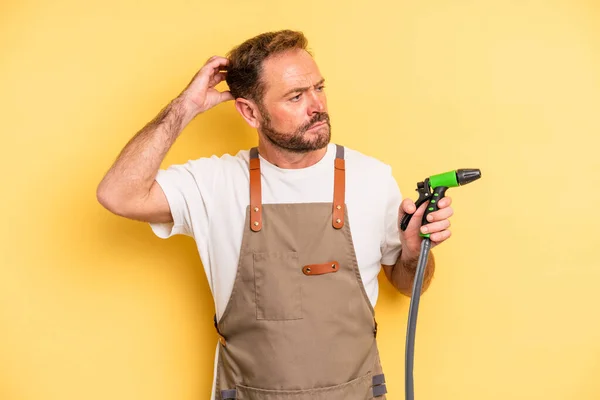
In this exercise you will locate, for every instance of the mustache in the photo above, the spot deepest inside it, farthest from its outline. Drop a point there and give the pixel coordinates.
(320, 117)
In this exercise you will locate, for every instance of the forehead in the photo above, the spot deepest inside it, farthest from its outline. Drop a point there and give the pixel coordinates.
(294, 68)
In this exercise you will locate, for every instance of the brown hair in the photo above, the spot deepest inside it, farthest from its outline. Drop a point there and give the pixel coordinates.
(246, 61)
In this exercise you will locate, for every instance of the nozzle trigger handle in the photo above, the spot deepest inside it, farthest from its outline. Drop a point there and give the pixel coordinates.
(438, 194)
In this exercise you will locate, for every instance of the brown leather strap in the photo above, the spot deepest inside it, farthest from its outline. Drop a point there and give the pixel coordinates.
(320, 269)
(255, 191)
(339, 188)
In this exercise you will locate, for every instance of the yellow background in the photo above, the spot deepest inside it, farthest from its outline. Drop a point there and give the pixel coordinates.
(94, 307)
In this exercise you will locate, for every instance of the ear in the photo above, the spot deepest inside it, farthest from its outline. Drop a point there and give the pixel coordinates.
(249, 111)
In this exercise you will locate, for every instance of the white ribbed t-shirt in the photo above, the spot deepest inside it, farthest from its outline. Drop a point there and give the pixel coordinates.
(209, 196)
(208, 199)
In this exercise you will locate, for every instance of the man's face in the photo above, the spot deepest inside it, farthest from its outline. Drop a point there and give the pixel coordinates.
(294, 106)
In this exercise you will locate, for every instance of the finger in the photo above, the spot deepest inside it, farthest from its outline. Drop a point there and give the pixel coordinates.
(441, 214)
(211, 59)
(445, 202)
(408, 206)
(421, 210)
(207, 74)
(216, 62)
(210, 69)
(439, 237)
(417, 215)
(225, 96)
(436, 226)
(217, 78)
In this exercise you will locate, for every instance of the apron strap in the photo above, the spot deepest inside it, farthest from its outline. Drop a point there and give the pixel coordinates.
(339, 188)
(255, 191)
(379, 388)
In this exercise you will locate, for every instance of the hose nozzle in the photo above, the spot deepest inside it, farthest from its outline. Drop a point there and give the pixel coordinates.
(454, 178)
(464, 176)
(434, 188)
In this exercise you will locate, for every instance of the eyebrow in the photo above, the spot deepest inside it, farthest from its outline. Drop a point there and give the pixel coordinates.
(303, 89)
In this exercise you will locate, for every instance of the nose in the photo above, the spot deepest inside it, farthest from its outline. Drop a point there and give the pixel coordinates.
(317, 103)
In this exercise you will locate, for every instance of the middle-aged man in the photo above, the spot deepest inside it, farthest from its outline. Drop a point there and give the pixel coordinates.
(292, 233)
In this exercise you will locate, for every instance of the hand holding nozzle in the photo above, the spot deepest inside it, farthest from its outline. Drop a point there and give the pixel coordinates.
(433, 189)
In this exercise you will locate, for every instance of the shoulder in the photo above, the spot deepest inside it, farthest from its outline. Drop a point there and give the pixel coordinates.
(241, 158)
(365, 165)
(370, 177)
(225, 163)
(205, 174)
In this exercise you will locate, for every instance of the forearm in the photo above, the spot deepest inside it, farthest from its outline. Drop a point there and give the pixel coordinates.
(132, 174)
(403, 273)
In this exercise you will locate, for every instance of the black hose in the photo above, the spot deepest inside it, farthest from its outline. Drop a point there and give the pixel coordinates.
(412, 318)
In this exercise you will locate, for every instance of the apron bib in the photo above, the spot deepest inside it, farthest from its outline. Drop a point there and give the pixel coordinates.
(298, 324)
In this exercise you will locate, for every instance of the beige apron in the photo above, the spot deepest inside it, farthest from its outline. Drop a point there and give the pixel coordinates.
(298, 324)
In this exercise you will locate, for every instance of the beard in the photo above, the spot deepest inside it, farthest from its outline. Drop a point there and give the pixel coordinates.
(299, 141)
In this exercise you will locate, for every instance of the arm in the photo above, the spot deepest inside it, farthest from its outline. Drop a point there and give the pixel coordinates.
(129, 188)
(402, 274)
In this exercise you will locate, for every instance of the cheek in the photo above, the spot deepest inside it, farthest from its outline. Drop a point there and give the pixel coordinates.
(288, 117)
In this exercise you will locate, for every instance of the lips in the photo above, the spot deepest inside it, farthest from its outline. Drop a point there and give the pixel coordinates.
(318, 124)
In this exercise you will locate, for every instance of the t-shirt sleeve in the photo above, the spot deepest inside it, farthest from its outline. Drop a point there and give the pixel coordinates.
(187, 188)
(390, 247)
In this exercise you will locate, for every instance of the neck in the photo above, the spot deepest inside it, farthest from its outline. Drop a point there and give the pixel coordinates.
(287, 159)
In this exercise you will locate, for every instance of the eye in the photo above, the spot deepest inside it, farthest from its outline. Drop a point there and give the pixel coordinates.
(295, 98)
(321, 88)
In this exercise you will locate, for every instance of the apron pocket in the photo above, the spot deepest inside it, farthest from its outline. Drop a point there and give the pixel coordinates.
(357, 389)
(277, 277)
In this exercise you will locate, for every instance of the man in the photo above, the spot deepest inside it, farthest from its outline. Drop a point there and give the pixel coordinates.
(294, 285)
